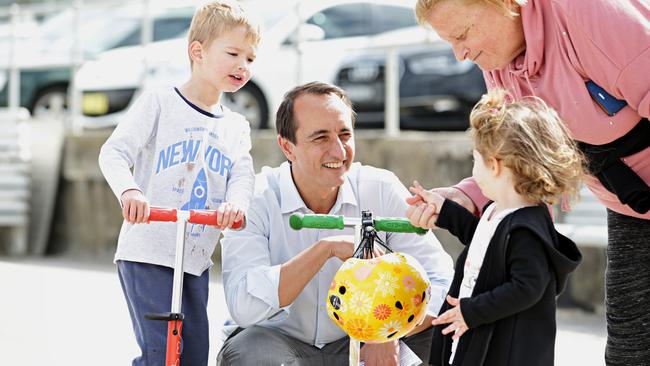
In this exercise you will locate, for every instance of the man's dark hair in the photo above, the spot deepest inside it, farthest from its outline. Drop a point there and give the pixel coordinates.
(285, 122)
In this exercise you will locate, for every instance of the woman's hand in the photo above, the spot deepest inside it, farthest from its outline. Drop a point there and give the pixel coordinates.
(430, 197)
(425, 207)
(453, 316)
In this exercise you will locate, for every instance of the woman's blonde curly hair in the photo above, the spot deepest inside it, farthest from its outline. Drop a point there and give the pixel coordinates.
(532, 141)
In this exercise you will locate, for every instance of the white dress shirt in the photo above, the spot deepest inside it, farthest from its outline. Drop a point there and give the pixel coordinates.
(252, 257)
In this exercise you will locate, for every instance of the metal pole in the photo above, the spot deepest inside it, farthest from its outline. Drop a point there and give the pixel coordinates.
(77, 56)
(146, 37)
(391, 105)
(355, 345)
(297, 45)
(14, 71)
(177, 286)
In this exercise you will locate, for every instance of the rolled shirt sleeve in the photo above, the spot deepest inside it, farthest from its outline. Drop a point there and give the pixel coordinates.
(250, 281)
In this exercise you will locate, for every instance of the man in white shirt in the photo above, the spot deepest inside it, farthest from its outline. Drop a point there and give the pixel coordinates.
(276, 279)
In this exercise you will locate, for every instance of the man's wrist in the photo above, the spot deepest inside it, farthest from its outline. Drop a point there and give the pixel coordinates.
(325, 248)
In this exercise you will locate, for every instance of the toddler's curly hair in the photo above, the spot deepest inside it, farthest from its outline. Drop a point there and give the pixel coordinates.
(532, 141)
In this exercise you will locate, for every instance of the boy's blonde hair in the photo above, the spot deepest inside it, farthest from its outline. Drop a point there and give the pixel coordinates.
(214, 18)
(531, 140)
(423, 8)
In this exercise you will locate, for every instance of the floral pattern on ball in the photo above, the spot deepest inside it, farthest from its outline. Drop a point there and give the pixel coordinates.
(380, 299)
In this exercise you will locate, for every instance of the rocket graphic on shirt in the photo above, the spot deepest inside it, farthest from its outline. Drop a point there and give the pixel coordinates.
(189, 152)
(198, 199)
(199, 193)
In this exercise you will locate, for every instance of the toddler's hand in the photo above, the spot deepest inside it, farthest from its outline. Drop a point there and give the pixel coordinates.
(135, 207)
(453, 316)
(425, 207)
(227, 214)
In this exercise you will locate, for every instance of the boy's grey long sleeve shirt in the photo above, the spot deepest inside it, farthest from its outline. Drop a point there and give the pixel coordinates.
(182, 157)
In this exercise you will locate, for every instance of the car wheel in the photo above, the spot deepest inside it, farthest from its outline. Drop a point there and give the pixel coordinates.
(249, 102)
(51, 103)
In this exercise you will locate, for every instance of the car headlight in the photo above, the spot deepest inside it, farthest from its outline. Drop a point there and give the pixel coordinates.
(438, 64)
(94, 104)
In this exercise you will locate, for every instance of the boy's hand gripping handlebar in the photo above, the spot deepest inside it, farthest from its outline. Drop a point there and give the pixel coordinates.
(203, 217)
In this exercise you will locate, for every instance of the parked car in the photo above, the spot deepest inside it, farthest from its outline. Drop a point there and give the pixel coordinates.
(46, 58)
(436, 92)
(291, 52)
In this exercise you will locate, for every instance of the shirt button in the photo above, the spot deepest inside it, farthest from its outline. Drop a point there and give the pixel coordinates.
(611, 123)
(564, 33)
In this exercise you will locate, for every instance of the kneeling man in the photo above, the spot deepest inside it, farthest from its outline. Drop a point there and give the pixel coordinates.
(276, 279)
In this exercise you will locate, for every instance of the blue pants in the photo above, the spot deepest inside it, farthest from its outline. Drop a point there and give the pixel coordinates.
(148, 289)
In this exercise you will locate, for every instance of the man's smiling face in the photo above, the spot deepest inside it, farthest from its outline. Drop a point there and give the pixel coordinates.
(324, 147)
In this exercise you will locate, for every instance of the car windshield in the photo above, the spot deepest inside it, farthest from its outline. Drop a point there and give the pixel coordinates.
(99, 28)
(102, 29)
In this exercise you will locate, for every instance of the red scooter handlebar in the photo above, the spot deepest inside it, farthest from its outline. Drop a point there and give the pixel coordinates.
(163, 214)
(203, 217)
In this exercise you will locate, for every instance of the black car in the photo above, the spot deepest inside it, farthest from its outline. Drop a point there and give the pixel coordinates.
(436, 91)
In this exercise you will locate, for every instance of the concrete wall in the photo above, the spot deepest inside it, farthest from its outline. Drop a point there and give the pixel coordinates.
(87, 218)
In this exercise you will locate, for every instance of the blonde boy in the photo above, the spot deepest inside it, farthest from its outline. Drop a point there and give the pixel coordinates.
(187, 151)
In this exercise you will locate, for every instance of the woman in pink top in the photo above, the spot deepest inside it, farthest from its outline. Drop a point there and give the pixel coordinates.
(553, 49)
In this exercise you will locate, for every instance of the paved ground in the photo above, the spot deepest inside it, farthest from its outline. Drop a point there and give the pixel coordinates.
(63, 311)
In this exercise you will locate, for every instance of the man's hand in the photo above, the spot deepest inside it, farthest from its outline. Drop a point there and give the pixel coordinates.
(340, 246)
(426, 324)
(453, 316)
(135, 207)
(382, 354)
(227, 214)
(299, 270)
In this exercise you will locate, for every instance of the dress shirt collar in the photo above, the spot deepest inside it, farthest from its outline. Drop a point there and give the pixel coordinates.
(290, 200)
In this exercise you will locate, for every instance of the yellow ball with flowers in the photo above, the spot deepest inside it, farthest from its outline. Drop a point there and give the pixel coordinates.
(379, 299)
